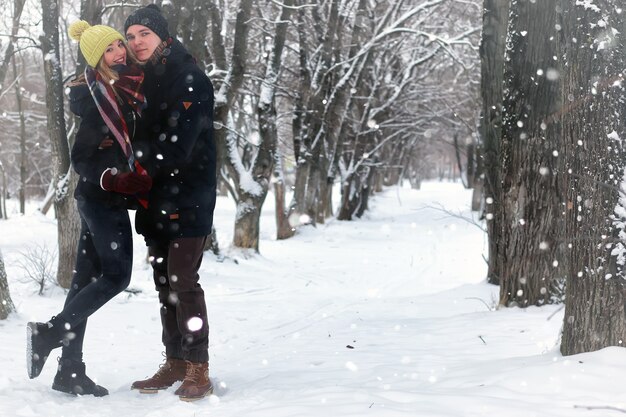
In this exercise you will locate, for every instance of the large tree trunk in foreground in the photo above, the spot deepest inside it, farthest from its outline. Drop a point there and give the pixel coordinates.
(68, 225)
(492, 67)
(593, 134)
(530, 200)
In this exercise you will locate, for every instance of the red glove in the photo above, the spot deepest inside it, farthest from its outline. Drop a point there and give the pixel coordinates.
(125, 182)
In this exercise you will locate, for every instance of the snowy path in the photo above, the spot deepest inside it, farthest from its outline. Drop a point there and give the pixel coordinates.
(384, 316)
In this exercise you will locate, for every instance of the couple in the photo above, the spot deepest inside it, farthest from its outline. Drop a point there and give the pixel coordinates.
(145, 142)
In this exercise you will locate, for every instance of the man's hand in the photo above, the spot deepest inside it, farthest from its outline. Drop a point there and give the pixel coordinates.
(125, 182)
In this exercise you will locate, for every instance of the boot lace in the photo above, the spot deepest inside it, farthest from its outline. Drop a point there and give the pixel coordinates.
(163, 368)
(194, 371)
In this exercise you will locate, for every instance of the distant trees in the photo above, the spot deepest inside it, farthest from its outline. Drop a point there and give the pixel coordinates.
(310, 96)
(337, 91)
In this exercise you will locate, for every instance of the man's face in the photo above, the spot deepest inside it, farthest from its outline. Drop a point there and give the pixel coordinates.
(142, 41)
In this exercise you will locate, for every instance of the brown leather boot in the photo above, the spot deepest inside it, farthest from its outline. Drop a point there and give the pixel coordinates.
(196, 384)
(171, 371)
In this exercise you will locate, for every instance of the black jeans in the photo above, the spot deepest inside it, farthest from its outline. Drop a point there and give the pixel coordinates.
(103, 268)
(184, 319)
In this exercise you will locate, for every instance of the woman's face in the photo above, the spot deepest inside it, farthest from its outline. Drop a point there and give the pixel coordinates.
(115, 53)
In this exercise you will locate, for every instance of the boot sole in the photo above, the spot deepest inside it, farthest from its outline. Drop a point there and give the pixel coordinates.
(149, 391)
(63, 388)
(70, 391)
(32, 372)
(191, 399)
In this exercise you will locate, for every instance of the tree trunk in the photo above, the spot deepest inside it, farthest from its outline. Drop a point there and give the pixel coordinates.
(459, 163)
(247, 228)
(212, 243)
(20, 111)
(531, 197)
(68, 225)
(228, 159)
(6, 304)
(3, 197)
(18, 8)
(310, 138)
(250, 203)
(355, 193)
(593, 134)
(492, 68)
(192, 25)
(478, 182)
(284, 227)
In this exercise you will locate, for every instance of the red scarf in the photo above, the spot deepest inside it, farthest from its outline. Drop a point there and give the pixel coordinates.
(128, 87)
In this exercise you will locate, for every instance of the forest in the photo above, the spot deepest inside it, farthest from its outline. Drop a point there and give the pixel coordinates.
(520, 100)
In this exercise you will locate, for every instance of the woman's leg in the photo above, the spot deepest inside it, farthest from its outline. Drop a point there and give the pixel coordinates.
(110, 235)
(86, 270)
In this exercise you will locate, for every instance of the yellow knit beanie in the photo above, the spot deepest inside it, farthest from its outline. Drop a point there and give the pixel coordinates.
(93, 40)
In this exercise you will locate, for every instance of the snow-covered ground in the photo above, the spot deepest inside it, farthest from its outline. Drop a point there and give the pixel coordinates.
(384, 316)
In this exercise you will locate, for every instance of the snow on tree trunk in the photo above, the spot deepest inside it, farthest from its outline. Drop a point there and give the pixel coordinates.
(68, 224)
(309, 139)
(6, 304)
(284, 228)
(247, 228)
(530, 220)
(492, 68)
(355, 193)
(592, 42)
(251, 198)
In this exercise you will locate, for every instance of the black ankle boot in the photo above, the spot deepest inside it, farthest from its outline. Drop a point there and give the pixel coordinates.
(41, 338)
(71, 378)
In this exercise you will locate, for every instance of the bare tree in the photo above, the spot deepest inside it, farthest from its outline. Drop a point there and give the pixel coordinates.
(37, 262)
(18, 8)
(247, 226)
(64, 206)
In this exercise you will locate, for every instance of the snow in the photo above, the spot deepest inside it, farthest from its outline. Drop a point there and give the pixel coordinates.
(388, 315)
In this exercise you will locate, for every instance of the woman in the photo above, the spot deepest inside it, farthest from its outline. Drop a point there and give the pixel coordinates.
(108, 100)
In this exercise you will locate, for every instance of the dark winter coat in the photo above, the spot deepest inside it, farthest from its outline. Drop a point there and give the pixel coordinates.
(88, 160)
(177, 147)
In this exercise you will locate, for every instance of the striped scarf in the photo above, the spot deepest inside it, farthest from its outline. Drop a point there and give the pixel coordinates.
(128, 86)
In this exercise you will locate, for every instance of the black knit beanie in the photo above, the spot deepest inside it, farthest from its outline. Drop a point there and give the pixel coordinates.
(150, 17)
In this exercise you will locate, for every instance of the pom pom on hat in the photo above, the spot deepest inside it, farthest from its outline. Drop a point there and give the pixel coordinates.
(93, 40)
(77, 28)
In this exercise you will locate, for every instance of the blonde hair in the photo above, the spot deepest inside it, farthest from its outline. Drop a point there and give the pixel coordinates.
(107, 73)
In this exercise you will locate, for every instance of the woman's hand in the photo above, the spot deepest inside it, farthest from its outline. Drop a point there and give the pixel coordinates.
(107, 142)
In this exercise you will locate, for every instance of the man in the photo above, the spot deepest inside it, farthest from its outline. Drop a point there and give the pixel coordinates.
(176, 146)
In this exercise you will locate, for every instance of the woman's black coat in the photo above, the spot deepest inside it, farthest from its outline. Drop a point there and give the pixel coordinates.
(88, 158)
